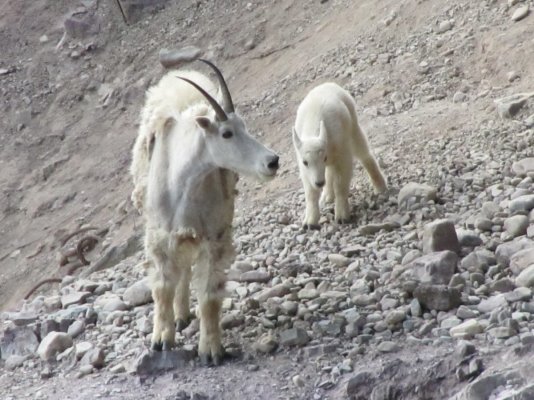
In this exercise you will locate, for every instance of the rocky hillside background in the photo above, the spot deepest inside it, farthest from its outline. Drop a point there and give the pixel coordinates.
(427, 294)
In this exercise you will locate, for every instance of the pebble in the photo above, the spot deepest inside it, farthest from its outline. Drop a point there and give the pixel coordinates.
(520, 13)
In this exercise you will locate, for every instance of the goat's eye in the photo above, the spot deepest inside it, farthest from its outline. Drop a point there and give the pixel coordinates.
(305, 163)
(325, 159)
(227, 134)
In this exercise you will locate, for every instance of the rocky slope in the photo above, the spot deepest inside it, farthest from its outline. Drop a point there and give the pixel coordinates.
(427, 294)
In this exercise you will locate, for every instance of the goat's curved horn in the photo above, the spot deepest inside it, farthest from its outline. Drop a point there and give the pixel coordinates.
(228, 104)
(221, 115)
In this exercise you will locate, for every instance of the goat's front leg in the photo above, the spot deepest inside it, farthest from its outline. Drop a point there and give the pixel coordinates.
(182, 314)
(327, 196)
(210, 280)
(163, 290)
(311, 218)
(342, 180)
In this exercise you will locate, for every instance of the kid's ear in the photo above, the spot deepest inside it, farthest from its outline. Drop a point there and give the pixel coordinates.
(296, 140)
(204, 123)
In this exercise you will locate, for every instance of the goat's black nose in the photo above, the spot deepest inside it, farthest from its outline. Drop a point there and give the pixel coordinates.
(320, 184)
(273, 163)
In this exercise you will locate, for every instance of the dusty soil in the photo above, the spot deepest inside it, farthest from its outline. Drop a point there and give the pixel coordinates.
(70, 114)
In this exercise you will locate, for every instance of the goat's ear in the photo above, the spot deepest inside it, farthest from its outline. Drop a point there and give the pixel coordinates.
(168, 124)
(204, 123)
(296, 140)
(322, 132)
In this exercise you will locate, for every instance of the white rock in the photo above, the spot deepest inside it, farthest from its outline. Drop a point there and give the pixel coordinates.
(526, 277)
(138, 294)
(467, 328)
(53, 343)
(520, 13)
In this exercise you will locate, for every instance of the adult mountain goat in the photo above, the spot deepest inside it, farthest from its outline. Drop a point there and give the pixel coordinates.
(326, 137)
(188, 153)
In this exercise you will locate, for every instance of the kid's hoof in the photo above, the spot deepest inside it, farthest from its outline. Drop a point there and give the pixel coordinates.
(310, 227)
(156, 346)
(181, 324)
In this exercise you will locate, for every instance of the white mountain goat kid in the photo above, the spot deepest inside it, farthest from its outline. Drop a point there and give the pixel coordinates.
(188, 152)
(326, 137)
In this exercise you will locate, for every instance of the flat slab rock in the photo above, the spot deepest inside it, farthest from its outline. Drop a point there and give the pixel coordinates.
(151, 362)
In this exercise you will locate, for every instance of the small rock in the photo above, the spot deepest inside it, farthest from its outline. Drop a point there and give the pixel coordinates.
(14, 361)
(492, 303)
(94, 357)
(467, 328)
(307, 294)
(298, 381)
(438, 297)
(294, 337)
(279, 290)
(444, 26)
(266, 344)
(255, 276)
(416, 192)
(522, 204)
(523, 167)
(362, 381)
(509, 106)
(459, 97)
(138, 294)
(512, 76)
(232, 320)
(144, 325)
(176, 58)
(506, 251)
(516, 225)
(17, 341)
(53, 343)
(440, 235)
(502, 332)
(76, 329)
(82, 24)
(526, 277)
(468, 238)
(371, 229)
(520, 13)
(153, 362)
(74, 298)
(437, 268)
(82, 348)
(339, 260)
(388, 347)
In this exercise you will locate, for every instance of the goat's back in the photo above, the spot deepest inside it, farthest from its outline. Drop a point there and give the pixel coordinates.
(330, 103)
(177, 95)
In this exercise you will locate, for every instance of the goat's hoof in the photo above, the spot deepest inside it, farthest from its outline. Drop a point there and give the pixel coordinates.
(208, 359)
(156, 346)
(167, 346)
(343, 220)
(181, 324)
(310, 227)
